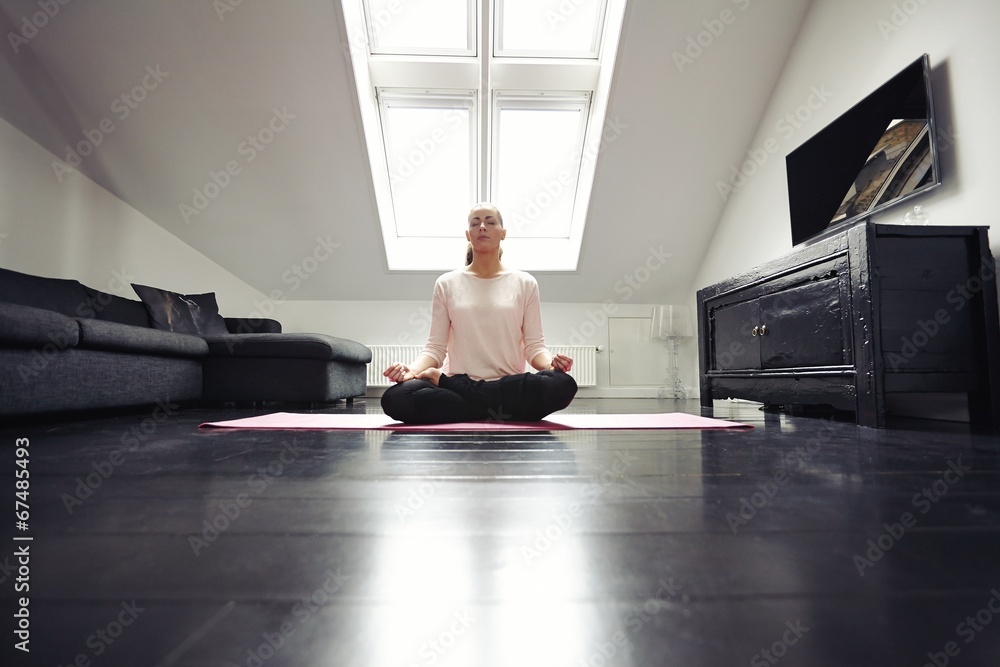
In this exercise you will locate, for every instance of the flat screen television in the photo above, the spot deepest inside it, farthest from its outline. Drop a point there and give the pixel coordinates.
(879, 153)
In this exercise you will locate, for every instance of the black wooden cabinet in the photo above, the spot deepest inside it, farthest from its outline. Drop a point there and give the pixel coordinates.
(872, 310)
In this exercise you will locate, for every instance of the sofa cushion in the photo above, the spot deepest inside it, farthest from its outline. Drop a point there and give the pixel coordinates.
(63, 296)
(182, 313)
(290, 346)
(244, 325)
(78, 379)
(114, 337)
(111, 308)
(36, 327)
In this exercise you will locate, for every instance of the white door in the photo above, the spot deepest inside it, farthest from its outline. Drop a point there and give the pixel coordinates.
(636, 359)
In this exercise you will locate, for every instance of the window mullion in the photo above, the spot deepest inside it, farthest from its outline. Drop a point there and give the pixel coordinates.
(485, 98)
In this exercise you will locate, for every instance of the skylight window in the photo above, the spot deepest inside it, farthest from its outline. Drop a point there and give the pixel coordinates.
(570, 28)
(431, 153)
(537, 161)
(483, 100)
(441, 27)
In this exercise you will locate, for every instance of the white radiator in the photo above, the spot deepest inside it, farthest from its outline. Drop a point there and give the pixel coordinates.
(384, 356)
(584, 361)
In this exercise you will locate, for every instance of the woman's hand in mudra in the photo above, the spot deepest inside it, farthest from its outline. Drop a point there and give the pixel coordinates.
(432, 375)
(560, 362)
(398, 373)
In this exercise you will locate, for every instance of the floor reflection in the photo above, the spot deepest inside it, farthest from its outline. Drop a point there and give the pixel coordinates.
(505, 584)
(561, 549)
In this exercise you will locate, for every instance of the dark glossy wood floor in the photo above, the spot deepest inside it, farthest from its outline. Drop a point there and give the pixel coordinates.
(803, 542)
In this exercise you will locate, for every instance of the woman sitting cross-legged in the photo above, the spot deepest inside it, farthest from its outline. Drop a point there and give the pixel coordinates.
(487, 319)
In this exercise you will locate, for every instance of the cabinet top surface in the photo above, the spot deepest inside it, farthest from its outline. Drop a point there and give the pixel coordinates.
(856, 236)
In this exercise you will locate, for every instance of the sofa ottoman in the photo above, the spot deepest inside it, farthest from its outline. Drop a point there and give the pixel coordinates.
(292, 367)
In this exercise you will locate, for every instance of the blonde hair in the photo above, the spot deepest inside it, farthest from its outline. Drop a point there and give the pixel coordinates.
(468, 249)
(486, 204)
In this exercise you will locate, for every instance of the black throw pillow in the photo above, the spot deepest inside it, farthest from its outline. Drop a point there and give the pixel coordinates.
(196, 314)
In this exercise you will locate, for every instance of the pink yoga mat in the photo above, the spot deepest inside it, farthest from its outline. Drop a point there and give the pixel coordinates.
(664, 420)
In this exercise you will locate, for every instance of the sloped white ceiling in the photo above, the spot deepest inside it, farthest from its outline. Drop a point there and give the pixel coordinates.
(253, 108)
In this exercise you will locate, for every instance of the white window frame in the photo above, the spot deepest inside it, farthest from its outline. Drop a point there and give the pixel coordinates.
(488, 76)
(373, 27)
(593, 53)
(423, 99)
(561, 101)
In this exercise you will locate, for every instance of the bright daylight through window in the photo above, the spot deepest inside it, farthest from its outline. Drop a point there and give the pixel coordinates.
(465, 101)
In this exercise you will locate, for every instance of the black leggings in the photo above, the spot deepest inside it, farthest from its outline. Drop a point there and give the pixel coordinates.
(458, 398)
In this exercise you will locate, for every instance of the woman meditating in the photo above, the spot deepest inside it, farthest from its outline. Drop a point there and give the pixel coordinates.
(487, 319)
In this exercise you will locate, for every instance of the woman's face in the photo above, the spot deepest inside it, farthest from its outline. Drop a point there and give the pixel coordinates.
(485, 231)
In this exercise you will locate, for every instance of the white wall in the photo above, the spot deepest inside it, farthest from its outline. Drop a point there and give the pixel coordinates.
(848, 48)
(408, 323)
(76, 229)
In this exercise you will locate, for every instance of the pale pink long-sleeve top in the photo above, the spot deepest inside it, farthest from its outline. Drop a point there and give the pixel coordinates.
(487, 328)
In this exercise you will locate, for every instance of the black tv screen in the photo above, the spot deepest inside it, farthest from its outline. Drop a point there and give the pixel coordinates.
(880, 152)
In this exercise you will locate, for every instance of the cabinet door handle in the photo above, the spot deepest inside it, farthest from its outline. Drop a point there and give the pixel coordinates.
(763, 330)
(754, 331)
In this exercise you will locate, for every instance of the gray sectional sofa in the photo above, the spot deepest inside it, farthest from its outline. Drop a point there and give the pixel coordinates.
(66, 347)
